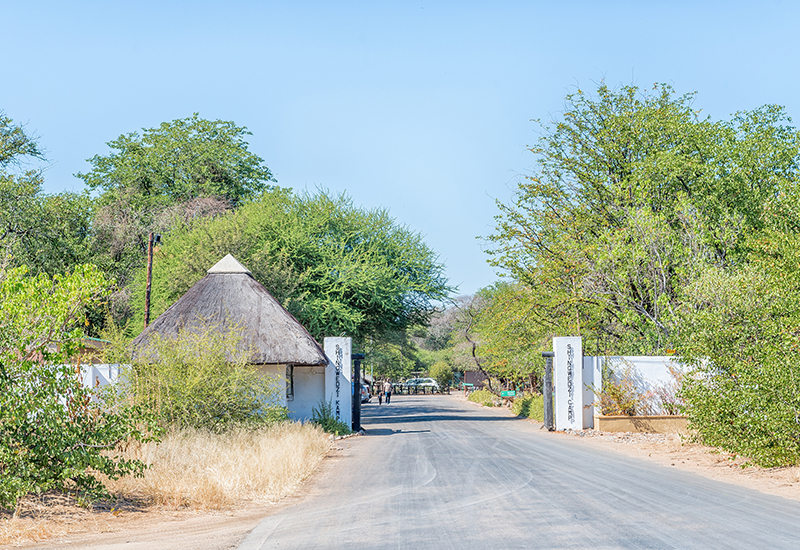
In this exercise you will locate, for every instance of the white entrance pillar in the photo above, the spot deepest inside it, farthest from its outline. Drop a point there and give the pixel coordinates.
(568, 382)
(338, 388)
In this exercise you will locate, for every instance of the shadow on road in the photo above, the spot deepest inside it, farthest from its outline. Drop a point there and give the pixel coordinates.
(405, 411)
(389, 431)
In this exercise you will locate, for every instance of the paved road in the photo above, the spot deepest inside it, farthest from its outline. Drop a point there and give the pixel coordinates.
(436, 473)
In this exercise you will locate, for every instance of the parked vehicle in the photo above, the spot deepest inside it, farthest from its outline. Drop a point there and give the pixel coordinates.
(422, 383)
(365, 395)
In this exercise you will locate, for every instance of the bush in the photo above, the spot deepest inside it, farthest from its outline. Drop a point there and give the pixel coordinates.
(744, 393)
(201, 381)
(529, 406)
(483, 397)
(322, 416)
(619, 395)
(442, 372)
(55, 433)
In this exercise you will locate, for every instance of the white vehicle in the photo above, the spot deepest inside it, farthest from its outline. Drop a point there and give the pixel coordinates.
(422, 383)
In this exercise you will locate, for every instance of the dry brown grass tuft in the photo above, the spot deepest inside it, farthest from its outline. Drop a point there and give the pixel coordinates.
(204, 470)
(190, 469)
(53, 514)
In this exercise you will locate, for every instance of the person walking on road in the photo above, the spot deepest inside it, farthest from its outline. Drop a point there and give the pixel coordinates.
(387, 389)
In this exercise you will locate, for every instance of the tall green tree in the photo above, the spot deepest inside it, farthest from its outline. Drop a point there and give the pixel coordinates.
(19, 187)
(511, 343)
(182, 170)
(645, 227)
(338, 268)
(179, 161)
(47, 233)
(633, 196)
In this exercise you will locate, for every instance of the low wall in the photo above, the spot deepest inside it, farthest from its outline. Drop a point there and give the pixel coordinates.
(642, 424)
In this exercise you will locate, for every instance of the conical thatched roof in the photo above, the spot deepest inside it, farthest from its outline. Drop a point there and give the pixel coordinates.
(228, 296)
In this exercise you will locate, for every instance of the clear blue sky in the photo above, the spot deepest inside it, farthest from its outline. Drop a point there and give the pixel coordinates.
(422, 108)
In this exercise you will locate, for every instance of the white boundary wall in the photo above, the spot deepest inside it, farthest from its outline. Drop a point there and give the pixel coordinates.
(647, 371)
(338, 388)
(99, 375)
(573, 404)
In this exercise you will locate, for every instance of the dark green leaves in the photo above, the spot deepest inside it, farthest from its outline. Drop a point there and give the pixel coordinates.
(338, 268)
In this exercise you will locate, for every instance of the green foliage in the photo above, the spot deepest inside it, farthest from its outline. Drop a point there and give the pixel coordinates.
(393, 356)
(633, 197)
(510, 343)
(483, 397)
(46, 233)
(529, 405)
(742, 336)
(178, 161)
(338, 268)
(54, 433)
(15, 143)
(180, 172)
(198, 380)
(322, 415)
(442, 373)
(465, 341)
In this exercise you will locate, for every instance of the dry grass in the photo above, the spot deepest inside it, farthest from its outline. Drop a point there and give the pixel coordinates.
(54, 514)
(208, 471)
(190, 469)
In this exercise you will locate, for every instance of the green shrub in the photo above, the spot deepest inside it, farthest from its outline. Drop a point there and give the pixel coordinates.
(442, 372)
(529, 406)
(483, 397)
(744, 392)
(55, 433)
(322, 415)
(619, 395)
(200, 380)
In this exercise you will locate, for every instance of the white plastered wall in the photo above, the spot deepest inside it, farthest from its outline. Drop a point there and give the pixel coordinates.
(309, 391)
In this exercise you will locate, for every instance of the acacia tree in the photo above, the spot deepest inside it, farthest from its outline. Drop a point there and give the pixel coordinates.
(338, 268)
(47, 233)
(633, 196)
(18, 191)
(181, 171)
(511, 343)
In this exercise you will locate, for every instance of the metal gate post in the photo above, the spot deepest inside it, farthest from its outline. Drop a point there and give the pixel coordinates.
(547, 391)
(357, 357)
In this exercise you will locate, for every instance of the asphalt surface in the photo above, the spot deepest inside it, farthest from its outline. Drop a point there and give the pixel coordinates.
(433, 472)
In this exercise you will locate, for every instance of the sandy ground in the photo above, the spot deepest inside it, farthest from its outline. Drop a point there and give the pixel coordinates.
(61, 525)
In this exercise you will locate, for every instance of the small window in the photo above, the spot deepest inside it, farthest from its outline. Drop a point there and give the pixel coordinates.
(289, 382)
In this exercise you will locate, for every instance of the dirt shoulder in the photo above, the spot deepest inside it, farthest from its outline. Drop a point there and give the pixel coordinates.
(670, 450)
(58, 524)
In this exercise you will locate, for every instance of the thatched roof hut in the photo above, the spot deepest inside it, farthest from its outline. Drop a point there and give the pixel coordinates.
(229, 297)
